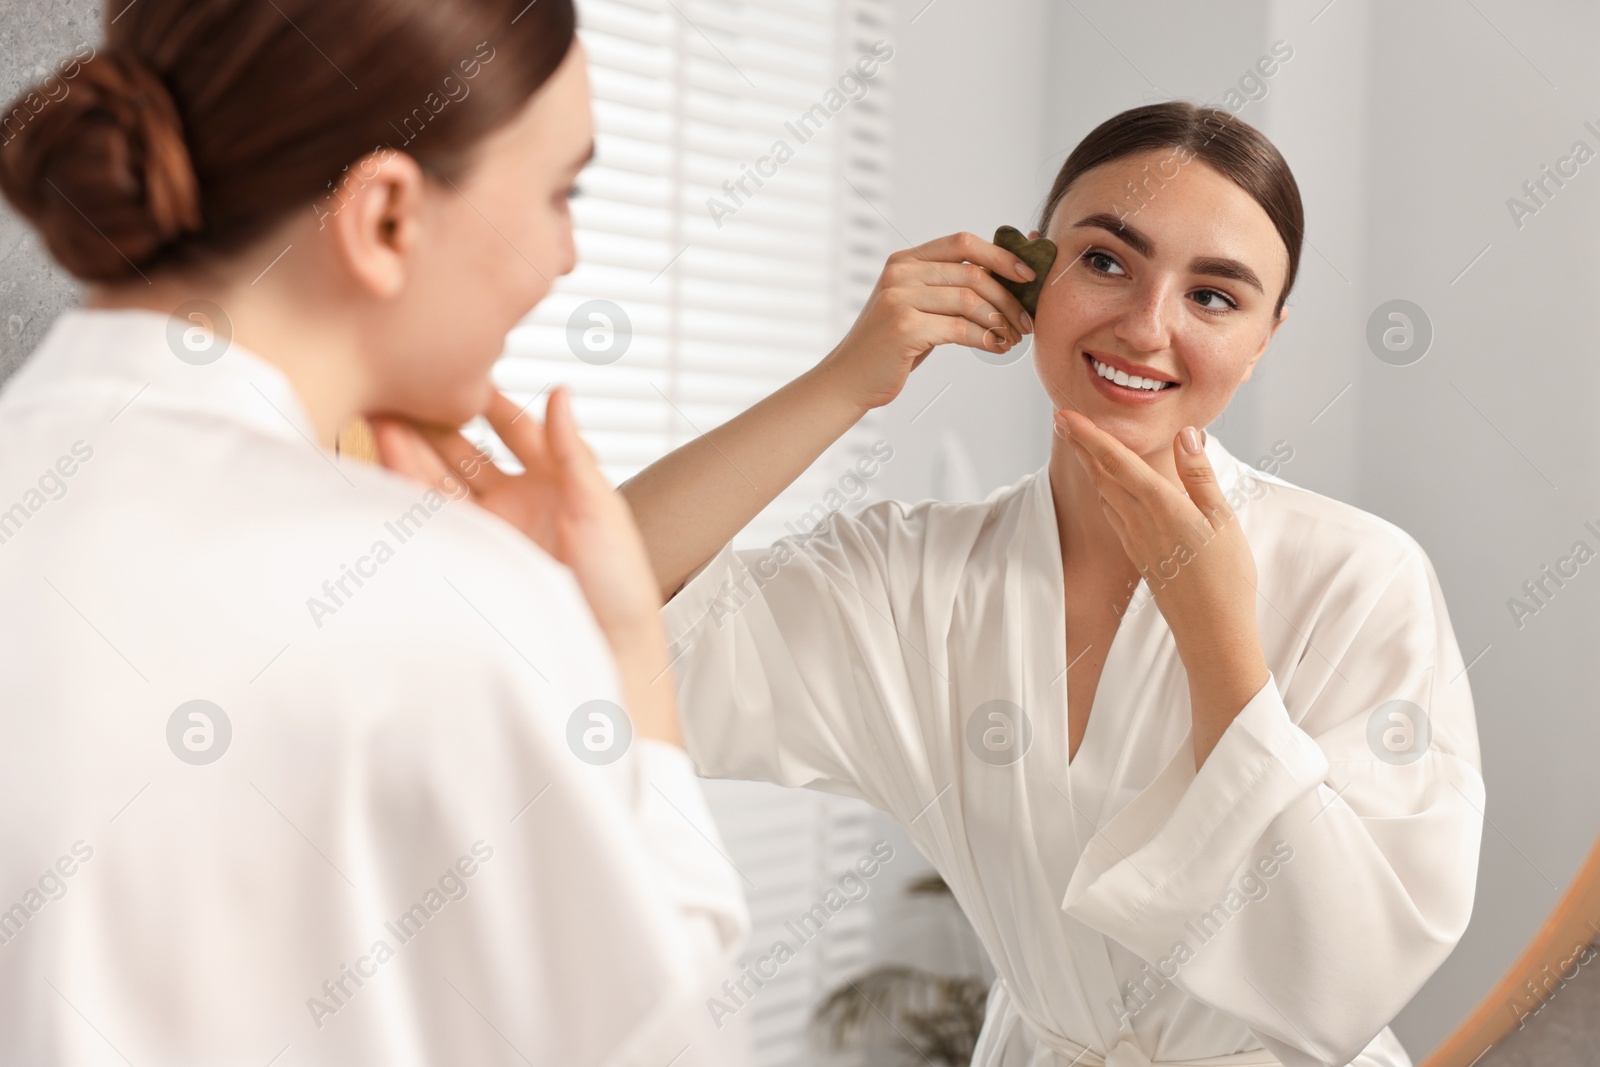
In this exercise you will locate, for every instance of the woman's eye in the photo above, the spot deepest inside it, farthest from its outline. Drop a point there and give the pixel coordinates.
(1101, 263)
(1213, 300)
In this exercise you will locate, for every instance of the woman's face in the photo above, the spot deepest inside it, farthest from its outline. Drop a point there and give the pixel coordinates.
(492, 244)
(1178, 281)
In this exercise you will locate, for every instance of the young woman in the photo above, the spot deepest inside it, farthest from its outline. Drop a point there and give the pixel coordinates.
(1238, 828)
(304, 764)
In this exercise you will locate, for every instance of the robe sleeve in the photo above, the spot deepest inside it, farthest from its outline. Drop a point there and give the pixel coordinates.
(676, 831)
(1322, 863)
(807, 661)
(608, 877)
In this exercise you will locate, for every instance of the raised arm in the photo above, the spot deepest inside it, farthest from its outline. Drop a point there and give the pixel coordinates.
(691, 502)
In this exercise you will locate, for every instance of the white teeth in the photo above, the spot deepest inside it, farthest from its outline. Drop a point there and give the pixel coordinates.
(1132, 381)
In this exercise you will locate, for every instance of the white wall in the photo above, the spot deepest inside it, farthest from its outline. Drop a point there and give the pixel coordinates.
(1484, 450)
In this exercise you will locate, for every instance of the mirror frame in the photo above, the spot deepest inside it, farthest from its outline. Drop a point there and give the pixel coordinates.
(1572, 926)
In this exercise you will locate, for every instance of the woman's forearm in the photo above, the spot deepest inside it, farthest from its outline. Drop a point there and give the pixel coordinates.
(645, 674)
(1221, 683)
(692, 501)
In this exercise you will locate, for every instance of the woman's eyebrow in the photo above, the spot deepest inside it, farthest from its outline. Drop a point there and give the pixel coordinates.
(1226, 268)
(1215, 266)
(1105, 220)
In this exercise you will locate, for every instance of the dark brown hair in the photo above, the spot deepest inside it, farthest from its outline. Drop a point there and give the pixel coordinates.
(198, 125)
(1227, 144)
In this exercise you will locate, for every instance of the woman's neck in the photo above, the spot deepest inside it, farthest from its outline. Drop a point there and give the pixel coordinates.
(317, 351)
(1089, 543)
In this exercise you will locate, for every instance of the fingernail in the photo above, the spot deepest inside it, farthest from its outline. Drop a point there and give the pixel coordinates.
(1027, 322)
(1061, 422)
(1024, 271)
(1191, 441)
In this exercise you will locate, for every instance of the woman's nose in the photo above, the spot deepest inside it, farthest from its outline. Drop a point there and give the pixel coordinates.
(1145, 325)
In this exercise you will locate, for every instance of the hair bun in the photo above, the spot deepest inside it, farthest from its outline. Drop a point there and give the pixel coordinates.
(101, 170)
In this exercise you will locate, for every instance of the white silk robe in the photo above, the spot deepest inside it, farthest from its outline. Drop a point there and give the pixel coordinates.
(1279, 906)
(398, 771)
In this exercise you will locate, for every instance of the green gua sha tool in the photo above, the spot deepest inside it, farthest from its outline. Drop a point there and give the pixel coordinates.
(1037, 253)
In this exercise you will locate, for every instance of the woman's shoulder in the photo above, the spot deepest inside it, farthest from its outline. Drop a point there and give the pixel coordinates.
(904, 536)
(362, 558)
(933, 515)
(419, 588)
(449, 536)
(1317, 537)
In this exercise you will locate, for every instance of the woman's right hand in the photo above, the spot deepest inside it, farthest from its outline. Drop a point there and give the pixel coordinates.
(934, 294)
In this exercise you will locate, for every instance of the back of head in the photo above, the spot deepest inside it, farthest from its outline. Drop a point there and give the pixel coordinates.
(196, 126)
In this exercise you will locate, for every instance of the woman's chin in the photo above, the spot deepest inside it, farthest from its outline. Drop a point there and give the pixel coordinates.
(453, 409)
(1142, 439)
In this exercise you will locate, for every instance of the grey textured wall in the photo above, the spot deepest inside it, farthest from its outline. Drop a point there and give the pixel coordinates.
(1565, 1032)
(35, 35)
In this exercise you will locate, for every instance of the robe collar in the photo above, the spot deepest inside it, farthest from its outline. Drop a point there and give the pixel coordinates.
(1035, 578)
(1037, 581)
(129, 357)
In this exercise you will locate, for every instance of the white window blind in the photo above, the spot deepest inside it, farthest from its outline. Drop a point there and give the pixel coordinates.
(792, 845)
(689, 95)
(720, 308)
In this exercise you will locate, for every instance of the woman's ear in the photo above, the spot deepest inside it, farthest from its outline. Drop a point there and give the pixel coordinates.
(1283, 314)
(374, 218)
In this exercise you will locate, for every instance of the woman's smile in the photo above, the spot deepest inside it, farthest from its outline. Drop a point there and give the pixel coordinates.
(1113, 381)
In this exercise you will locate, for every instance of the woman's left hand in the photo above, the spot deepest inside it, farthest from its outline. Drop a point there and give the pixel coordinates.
(1190, 547)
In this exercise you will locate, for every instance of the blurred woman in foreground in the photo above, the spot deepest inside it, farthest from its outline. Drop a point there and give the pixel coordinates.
(304, 760)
